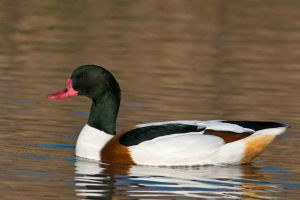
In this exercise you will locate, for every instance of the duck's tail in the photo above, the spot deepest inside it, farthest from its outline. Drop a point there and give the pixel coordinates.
(258, 141)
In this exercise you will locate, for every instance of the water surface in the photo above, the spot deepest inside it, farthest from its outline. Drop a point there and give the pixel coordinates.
(174, 60)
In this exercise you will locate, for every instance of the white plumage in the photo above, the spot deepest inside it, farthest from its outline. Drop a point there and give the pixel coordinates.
(195, 148)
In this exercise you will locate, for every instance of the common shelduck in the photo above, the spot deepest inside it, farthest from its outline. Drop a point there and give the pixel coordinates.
(170, 143)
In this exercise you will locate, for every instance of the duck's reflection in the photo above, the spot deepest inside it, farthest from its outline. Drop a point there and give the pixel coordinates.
(100, 181)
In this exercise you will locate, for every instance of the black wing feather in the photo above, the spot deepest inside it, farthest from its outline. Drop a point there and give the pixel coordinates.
(138, 135)
(256, 125)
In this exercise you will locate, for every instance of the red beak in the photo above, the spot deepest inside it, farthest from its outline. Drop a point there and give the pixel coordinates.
(64, 93)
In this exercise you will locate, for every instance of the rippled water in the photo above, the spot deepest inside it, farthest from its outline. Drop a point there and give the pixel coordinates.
(174, 60)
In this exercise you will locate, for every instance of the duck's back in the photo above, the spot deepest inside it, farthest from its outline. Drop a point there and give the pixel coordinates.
(191, 142)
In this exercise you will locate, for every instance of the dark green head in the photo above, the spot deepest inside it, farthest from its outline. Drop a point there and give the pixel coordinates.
(94, 81)
(100, 85)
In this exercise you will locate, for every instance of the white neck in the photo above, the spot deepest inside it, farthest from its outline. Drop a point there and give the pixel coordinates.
(90, 142)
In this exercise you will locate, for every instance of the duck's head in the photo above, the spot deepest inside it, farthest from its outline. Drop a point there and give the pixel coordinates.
(89, 80)
(98, 84)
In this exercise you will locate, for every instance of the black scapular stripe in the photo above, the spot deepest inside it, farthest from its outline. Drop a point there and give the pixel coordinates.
(257, 125)
(142, 134)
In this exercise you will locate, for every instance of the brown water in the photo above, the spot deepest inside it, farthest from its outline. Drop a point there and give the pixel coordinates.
(174, 60)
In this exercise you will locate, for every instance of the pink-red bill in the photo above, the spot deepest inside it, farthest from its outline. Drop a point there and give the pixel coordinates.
(67, 92)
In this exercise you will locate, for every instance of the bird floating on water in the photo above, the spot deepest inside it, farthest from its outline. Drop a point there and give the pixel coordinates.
(170, 143)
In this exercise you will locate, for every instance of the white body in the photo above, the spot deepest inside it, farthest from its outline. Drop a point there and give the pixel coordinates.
(177, 149)
(90, 142)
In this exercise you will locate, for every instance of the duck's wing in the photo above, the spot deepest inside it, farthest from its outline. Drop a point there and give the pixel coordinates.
(195, 142)
(191, 142)
(228, 131)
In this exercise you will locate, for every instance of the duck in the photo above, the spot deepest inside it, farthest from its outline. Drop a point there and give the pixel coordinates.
(168, 143)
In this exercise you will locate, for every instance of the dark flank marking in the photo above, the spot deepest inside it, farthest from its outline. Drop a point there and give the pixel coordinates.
(143, 134)
(228, 136)
(256, 125)
(114, 152)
